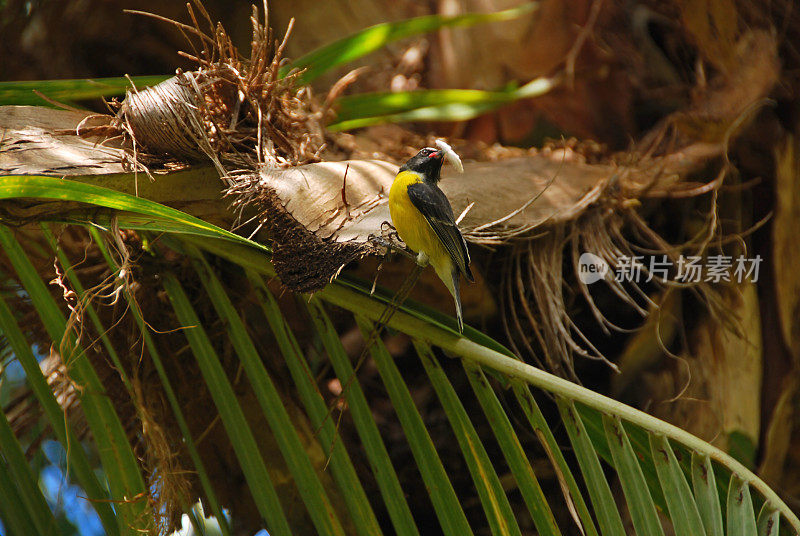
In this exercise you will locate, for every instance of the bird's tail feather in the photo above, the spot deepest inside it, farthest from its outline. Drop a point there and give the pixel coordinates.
(456, 291)
(450, 276)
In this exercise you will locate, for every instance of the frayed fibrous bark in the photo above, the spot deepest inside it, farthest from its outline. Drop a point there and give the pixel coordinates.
(537, 284)
(304, 261)
(232, 111)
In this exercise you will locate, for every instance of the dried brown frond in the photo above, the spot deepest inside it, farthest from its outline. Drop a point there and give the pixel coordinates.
(540, 289)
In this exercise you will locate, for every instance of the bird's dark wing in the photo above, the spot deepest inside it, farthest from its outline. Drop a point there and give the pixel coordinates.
(433, 204)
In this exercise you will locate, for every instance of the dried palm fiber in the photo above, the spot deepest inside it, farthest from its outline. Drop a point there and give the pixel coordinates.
(167, 119)
(534, 286)
(240, 114)
(540, 289)
(613, 229)
(234, 111)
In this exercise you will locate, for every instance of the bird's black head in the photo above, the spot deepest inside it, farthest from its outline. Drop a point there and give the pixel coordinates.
(427, 162)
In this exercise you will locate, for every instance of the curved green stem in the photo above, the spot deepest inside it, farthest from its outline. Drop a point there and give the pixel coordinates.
(449, 340)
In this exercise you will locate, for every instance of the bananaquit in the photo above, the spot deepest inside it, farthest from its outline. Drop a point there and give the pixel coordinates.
(424, 220)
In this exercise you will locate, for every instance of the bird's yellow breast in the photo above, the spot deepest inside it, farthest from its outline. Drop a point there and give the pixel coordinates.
(411, 225)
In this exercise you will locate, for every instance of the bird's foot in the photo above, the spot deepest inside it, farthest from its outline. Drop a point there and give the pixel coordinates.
(391, 245)
(389, 232)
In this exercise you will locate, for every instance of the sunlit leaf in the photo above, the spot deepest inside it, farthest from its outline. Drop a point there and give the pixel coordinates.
(378, 36)
(69, 91)
(361, 110)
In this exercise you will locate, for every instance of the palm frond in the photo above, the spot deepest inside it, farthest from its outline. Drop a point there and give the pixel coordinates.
(653, 461)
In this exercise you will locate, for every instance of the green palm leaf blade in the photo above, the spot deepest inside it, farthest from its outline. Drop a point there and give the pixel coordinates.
(769, 521)
(637, 495)
(445, 502)
(453, 111)
(70, 90)
(706, 494)
(374, 448)
(569, 485)
(341, 466)
(490, 490)
(231, 414)
(349, 296)
(366, 109)
(639, 439)
(125, 479)
(375, 104)
(79, 463)
(376, 37)
(513, 452)
(741, 517)
(43, 187)
(605, 506)
(144, 222)
(202, 474)
(294, 453)
(680, 502)
(366, 105)
(25, 483)
(198, 526)
(15, 515)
